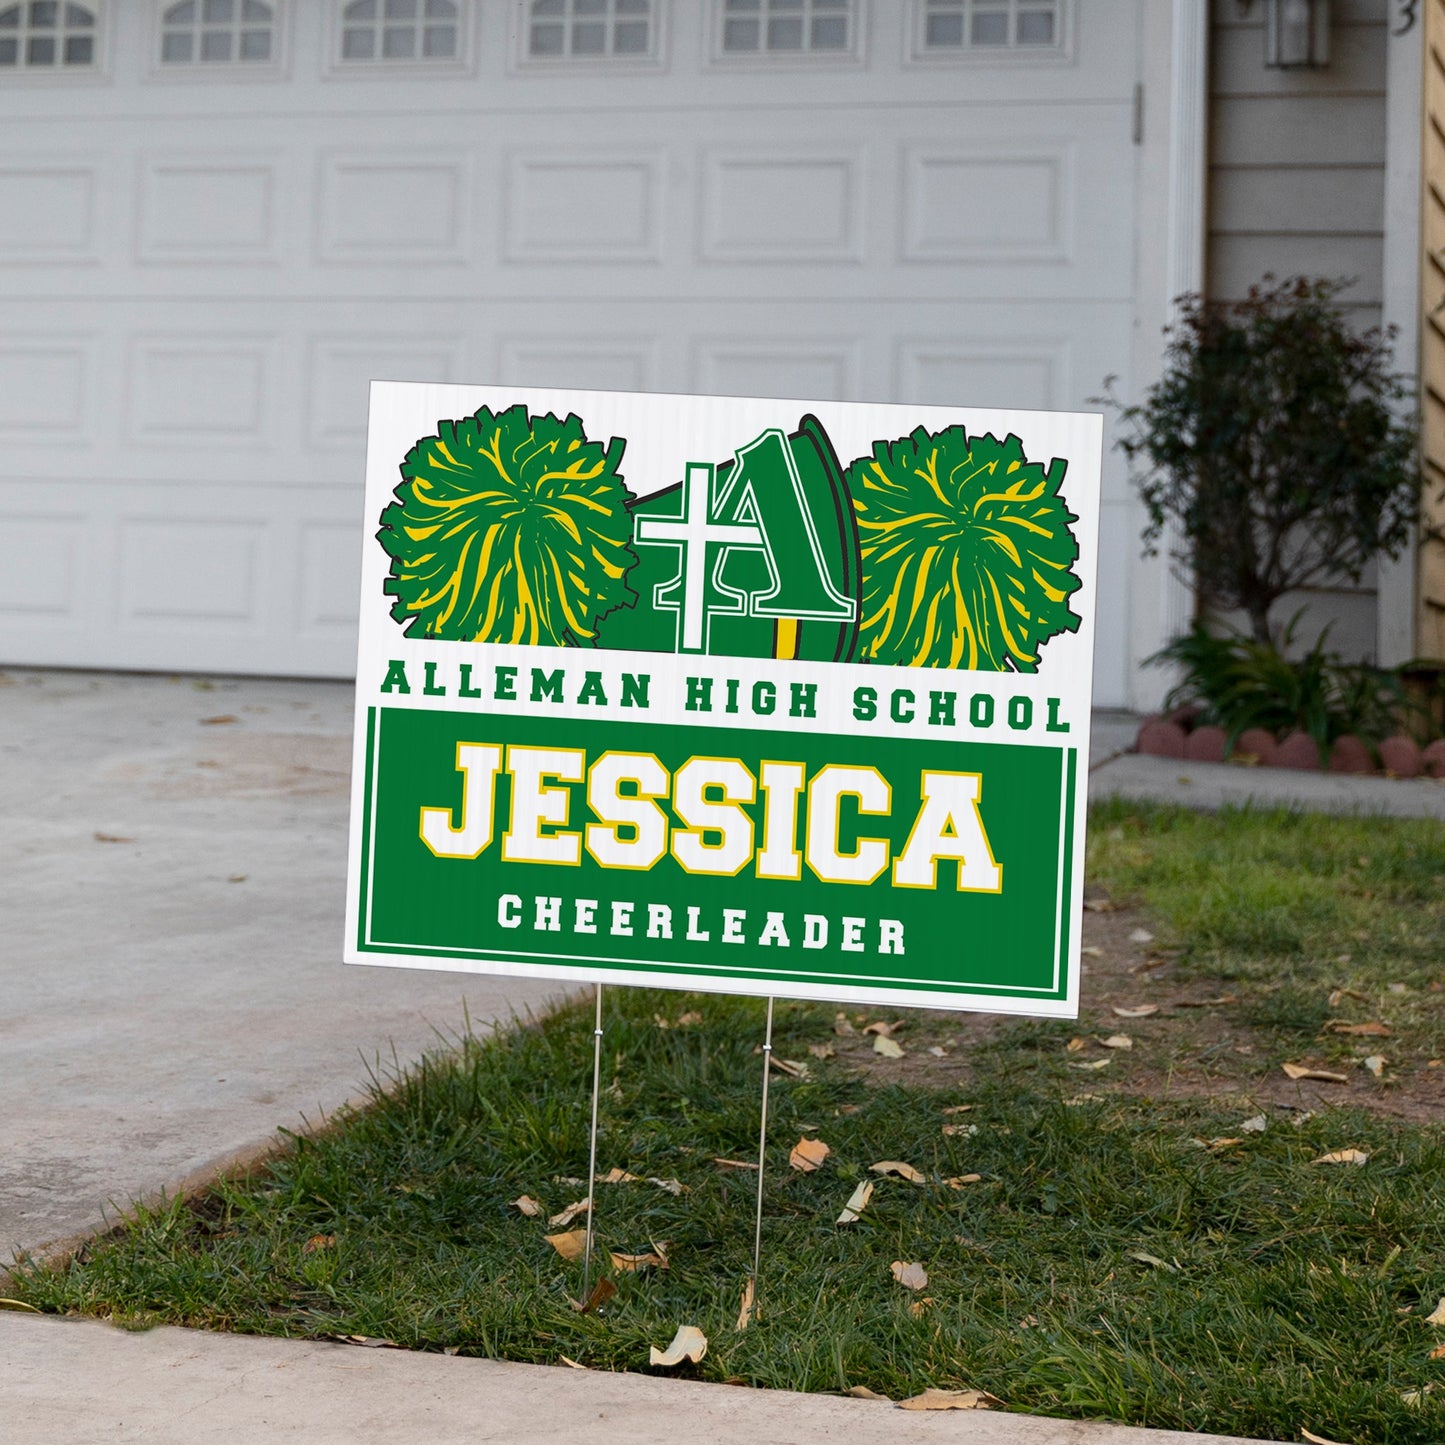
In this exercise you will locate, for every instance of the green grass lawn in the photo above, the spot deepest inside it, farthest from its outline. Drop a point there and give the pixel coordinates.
(1273, 1293)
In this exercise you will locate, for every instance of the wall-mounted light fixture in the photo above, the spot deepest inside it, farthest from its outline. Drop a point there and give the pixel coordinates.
(1297, 34)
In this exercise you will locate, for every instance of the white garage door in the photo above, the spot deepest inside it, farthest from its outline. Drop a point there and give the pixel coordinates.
(220, 218)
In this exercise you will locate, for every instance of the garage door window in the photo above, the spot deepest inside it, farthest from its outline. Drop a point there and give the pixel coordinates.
(48, 35)
(590, 29)
(218, 32)
(400, 30)
(787, 27)
(990, 26)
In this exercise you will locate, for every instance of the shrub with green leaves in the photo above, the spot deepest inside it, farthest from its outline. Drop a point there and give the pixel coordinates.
(509, 528)
(967, 555)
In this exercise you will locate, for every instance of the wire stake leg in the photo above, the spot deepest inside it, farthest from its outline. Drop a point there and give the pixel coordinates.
(592, 1151)
(762, 1151)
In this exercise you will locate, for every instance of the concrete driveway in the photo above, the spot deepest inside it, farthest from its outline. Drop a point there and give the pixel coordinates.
(171, 900)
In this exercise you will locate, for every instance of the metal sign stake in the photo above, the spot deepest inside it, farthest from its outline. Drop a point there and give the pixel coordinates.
(762, 1150)
(592, 1151)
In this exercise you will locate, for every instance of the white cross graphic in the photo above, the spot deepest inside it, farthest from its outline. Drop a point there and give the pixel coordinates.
(694, 532)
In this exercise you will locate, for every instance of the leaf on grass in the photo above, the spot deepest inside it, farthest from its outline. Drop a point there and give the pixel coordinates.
(570, 1363)
(19, 1304)
(1218, 1144)
(1100, 905)
(937, 1051)
(1342, 1156)
(367, 1342)
(1339, 994)
(1093, 1064)
(1141, 1011)
(656, 1258)
(917, 1307)
(1371, 1030)
(1256, 1124)
(790, 1067)
(959, 1180)
(1077, 1099)
(1303, 1071)
(689, 1343)
(1415, 1398)
(571, 1245)
(602, 1291)
(841, 1026)
(951, 1400)
(880, 1026)
(1376, 1064)
(1220, 1002)
(821, 1051)
(1316, 1439)
(910, 1276)
(525, 1204)
(745, 1313)
(898, 1167)
(692, 1016)
(961, 1109)
(1141, 935)
(966, 1130)
(1438, 1318)
(734, 1164)
(1091, 952)
(1075, 1044)
(862, 1392)
(566, 1179)
(857, 1203)
(318, 1241)
(882, 1044)
(617, 1176)
(1117, 1041)
(808, 1154)
(1151, 1259)
(671, 1186)
(564, 1217)
(1438, 1353)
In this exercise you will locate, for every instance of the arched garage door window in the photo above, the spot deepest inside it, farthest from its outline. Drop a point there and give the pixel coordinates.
(218, 32)
(399, 30)
(47, 34)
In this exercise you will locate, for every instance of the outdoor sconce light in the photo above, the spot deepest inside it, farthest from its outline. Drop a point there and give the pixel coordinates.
(1297, 34)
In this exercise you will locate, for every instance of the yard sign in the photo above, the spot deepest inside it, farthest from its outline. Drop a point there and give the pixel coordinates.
(767, 697)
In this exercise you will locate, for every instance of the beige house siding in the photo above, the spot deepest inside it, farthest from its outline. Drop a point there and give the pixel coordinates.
(1430, 623)
(1297, 186)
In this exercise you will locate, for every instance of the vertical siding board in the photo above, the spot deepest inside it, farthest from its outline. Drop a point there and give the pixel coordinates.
(1430, 622)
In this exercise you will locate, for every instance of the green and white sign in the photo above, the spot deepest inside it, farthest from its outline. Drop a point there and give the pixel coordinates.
(768, 697)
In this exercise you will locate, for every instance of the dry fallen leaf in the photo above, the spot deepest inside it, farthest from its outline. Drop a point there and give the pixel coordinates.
(564, 1217)
(617, 1176)
(745, 1314)
(633, 1263)
(1303, 1071)
(808, 1154)
(961, 1109)
(951, 1400)
(692, 1016)
(1151, 1259)
(862, 1392)
(602, 1291)
(734, 1164)
(1141, 1011)
(959, 1180)
(917, 1307)
(1141, 935)
(1372, 1030)
(369, 1342)
(882, 1044)
(689, 1343)
(1093, 1064)
(1100, 905)
(790, 1067)
(1117, 1041)
(910, 1276)
(1077, 1099)
(879, 1026)
(318, 1241)
(937, 1051)
(672, 1186)
(966, 1130)
(1342, 1156)
(1438, 1318)
(1229, 1143)
(1438, 1353)
(857, 1202)
(1075, 1044)
(1256, 1124)
(570, 1363)
(1375, 1064)
(841, 1026)
(898, 1167)
(821, 1051)
(571, 1245)
(1316, 1439)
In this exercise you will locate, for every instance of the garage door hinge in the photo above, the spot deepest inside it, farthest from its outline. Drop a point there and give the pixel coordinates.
(1139, 114)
